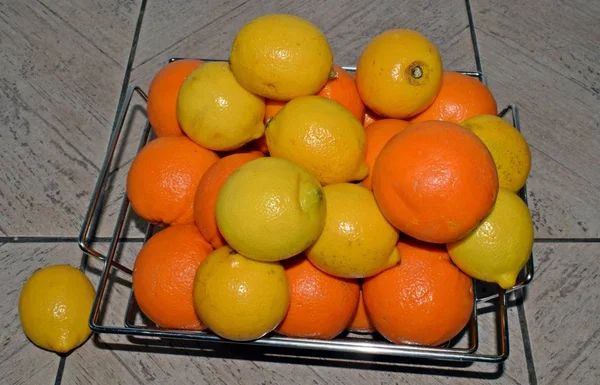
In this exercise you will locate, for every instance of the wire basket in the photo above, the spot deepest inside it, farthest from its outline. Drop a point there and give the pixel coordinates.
(362, 346)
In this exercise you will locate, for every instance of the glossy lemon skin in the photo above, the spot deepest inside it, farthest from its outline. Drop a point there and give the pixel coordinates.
(281, 57)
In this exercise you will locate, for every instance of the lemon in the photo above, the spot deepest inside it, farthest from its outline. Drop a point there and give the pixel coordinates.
(270, 209)
(239, 298)
(323, 136)
(500, 245)
(357, 241)
(281, 57)
(507, 146)
(216, 112)
(54, 308)
(399, 73)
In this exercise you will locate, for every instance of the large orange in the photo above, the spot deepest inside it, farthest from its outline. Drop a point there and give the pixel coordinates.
(162, 96)
(435, 181)
(342, 89)
(378, 134)
(163, 276)
(164, 177)
(321, 305)
(370, 117)
(208, 190)
(425, 300)
(460, 97)
(361, 322)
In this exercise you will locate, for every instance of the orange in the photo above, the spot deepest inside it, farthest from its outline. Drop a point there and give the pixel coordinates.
(435, 181)
(460, 98)
(361, 322)
(208, 190)
(425, 300)
(272, 107)
(163, 276)
(321, 305)
(163, 179)
(342, 88)
(378, 134)
(370, 117)
(162, 96)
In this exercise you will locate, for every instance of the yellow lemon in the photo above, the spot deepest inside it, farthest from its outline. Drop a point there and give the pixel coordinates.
(216, 112)
(357, 241)
(54, 308)
(239, 298)
(507, 146)
(281, 57)
(270, 209)
(500, 245)
(323, 136)
(399, 73)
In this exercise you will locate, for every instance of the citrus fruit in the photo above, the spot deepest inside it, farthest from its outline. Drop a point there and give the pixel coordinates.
(208, 190)
(54, 308)
(399, 73)
(357, 240)
(342, 88)
(435, 181)
(460, 97)
(323, 136)
(378, 134)
(216, 112)
(163, 276)
(425, 300)
(281, 57)
(162, 96)
(500, 246)
(370, 117)
(272, 107)
(163, 179)
(321, 305)
(270, 209)
(360, 322)
(239, 298)
(508, 147)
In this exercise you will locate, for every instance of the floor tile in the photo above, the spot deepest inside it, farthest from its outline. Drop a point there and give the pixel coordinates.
(526, 61)
(60, 91)
(563, 313)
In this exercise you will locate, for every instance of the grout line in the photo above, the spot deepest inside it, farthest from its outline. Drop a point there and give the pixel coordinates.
(126, 77)
(473, 37)
(529, 360)
(567, 240)
(42, 239)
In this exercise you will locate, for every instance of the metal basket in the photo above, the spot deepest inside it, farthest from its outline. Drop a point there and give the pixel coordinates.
(369, 347)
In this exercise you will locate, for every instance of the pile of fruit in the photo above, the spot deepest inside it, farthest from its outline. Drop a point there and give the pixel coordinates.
(300, 199)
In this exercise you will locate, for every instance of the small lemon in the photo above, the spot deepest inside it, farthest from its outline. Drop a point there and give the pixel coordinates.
(281, 57)
(54, 308)
(270, 209)
(216, 112)
(399, 73)
(507, 146)
(239, 298)
(357, 241)
(500, 245)
(323, 136)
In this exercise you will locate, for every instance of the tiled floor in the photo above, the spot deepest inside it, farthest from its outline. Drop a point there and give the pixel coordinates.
(64, 64)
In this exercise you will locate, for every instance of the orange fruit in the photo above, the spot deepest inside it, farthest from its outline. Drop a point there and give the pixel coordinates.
(163, 276)
(272, 107)
(208, 190)
(435, 181)
(460, 97)
(162, 96)
(163, 179)
(399, 73)
(425, 300)
(321, 305)
(378, 134)
(370, 117)
(361, 322)
(342, 89)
